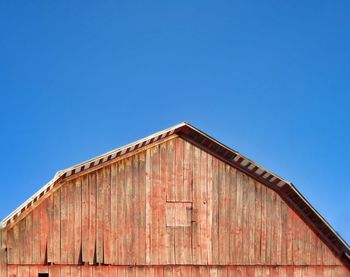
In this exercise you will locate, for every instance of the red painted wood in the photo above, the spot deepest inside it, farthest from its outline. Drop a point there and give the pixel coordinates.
(70, 222)
(55, 271)
(44, 231)
(176, 270)
(92, 217)
(85, 213)
(64, 225)
(118, 216)
(77, 242)
(107, 258)
(99, 216)
(50, 236)
(57, 227)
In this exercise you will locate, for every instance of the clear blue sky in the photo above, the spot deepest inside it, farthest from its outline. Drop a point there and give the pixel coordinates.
(270, 79)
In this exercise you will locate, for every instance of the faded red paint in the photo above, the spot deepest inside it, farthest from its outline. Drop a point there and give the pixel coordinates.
(114, 220)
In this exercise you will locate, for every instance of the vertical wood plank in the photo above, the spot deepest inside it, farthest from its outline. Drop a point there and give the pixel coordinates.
(204, 271)
(55, 271)
(78, 221)
(44, 223)
(142, 209)
(222, 213)
(65, 271)
(64, 225)
(239, 222)
(128, 235)
(99, 216)
(297, 253)
(86, 271)
(307, 244)
(284, 230)
(113, 271)
(273, 237)
(227, 204)
(3, 261)
(195, 271)
(188, 196)
(210, 209)
(107, 259)
(269, 228)
(171, 193)
(57, 227)
(301, 241)
(70, 222)
(75, 271)
(50, 238)
(121, 212)
(12, 270)
(122, 271)
(33, 271)
(203, 214)
(179, 177)
(289, 237)
(279, 235)
(169, 174)
(114, 214)
(187, 172)
(251, 221)
(245, 221)
(215, 211)
(36, 235)
(155, 203)
(23, 271)
(28, 256)
(85, 214)
(168, 271)
(164, 239)
(135, 208)
(257, 231)
(92, 217)
(179, 188)
(263, 225)
(20, 242)
(232, 216)
(148, 207)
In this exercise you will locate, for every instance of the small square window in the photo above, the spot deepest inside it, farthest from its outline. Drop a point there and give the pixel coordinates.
(178, 214)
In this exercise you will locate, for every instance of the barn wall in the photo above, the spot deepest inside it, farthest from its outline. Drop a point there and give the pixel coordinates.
(3, 265)
(178, 271)
(119, 215)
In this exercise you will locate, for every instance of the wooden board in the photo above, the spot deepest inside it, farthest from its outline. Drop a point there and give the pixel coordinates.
(173, 204)
(176, 270)
(85, 214)
(92, 217)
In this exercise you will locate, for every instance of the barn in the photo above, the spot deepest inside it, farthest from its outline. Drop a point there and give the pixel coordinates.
(176, 203)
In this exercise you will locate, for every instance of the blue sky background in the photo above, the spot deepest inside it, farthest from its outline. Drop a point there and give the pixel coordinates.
(267, 78)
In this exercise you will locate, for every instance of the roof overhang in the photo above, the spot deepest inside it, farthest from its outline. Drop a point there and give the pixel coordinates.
(188, 132)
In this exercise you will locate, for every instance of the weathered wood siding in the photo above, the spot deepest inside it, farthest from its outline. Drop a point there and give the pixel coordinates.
(178, 271)
(122, 214)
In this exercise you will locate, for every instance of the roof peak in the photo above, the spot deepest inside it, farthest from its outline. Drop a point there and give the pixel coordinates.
(190, 133)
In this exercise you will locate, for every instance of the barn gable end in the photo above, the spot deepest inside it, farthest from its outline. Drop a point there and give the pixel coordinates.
(170, 203)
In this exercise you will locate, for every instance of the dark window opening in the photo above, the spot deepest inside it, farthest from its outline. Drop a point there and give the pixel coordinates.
(43, 275)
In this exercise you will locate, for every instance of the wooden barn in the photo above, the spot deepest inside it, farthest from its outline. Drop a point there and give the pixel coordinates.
(177, 203)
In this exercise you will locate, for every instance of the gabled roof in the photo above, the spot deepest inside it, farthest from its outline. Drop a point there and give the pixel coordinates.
(283, 187)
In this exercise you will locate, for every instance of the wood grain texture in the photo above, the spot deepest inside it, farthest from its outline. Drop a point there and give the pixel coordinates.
(176, 270)
(172, 204)
(85, 214)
